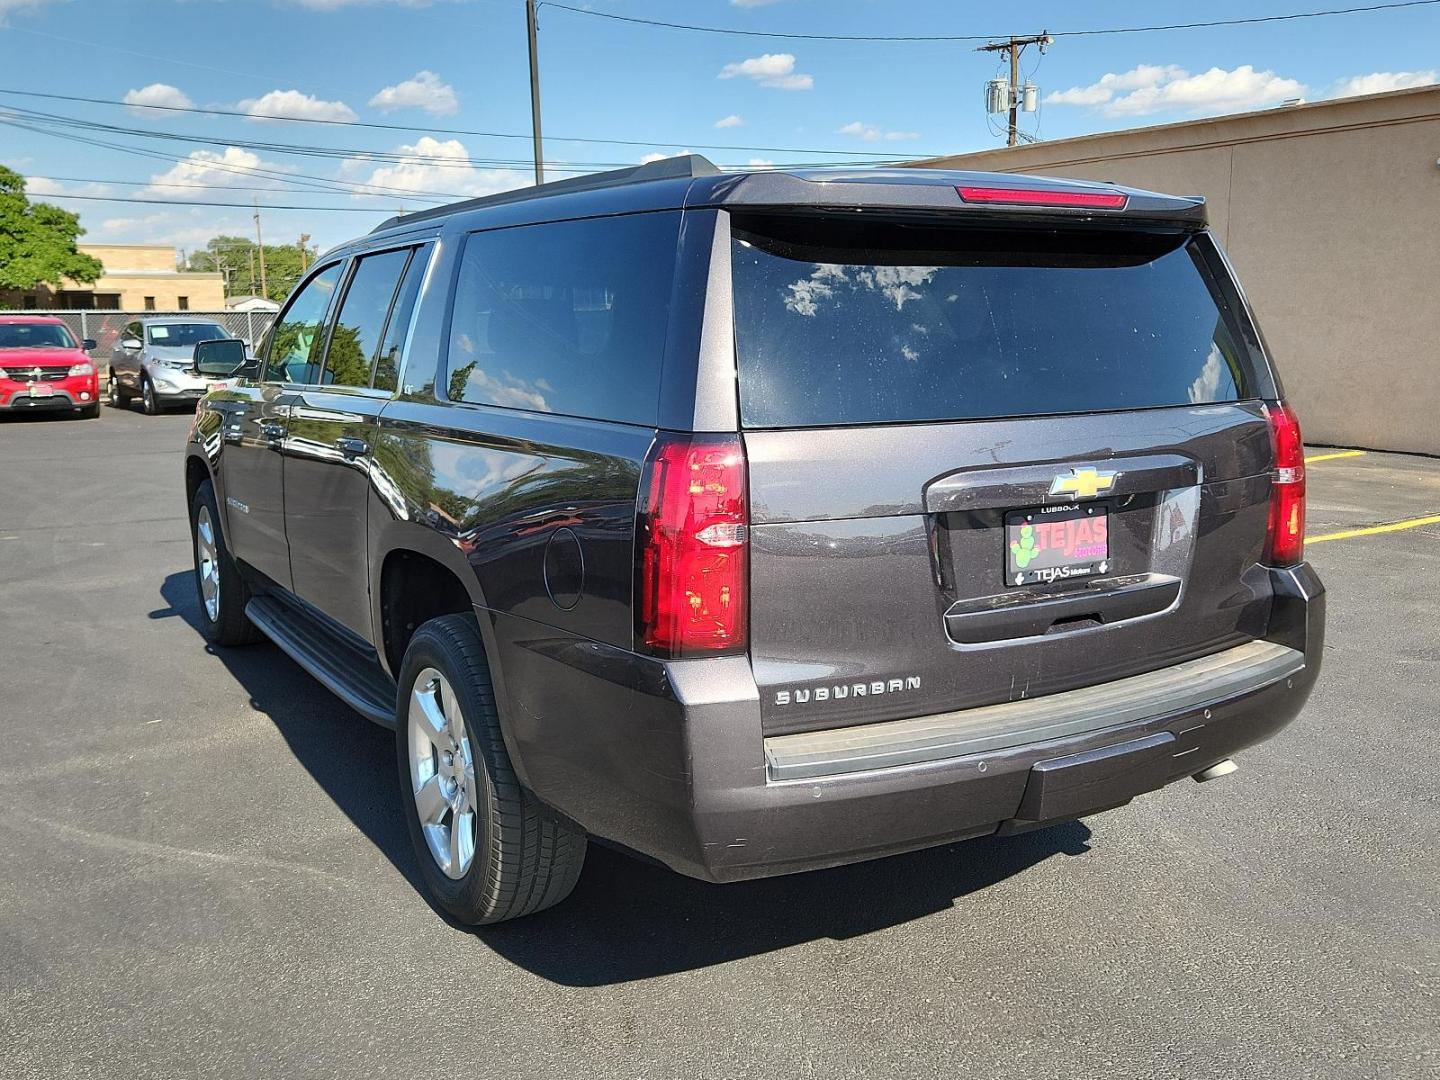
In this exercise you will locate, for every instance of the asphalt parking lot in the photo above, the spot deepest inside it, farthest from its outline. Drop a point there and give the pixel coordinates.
(204, 871)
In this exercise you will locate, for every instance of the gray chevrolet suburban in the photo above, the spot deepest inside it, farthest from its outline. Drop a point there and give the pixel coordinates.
(759, 522)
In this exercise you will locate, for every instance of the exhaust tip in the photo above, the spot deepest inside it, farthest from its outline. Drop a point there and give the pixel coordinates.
(1214, 772)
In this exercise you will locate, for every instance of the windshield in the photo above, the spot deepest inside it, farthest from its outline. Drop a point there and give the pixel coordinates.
(176, 335)
(888, 324)
(35, 336)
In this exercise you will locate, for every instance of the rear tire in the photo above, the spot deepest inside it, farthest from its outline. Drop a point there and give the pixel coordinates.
(115, 393)
(221, 590)
(452, 758)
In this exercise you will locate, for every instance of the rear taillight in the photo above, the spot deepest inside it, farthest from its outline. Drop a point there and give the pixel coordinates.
(1287, 491)
(692, 560)
(1091, 200)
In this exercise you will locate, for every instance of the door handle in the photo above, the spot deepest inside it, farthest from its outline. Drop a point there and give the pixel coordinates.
(352, 448)
(272, 432)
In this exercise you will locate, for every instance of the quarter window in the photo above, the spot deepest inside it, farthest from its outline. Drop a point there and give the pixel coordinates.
(297, 332)
(355, 338)
(568, 317)
(388, 364)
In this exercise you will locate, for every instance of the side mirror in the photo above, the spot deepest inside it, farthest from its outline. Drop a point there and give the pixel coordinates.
(221, 358)
(130, 344)
(88, 344)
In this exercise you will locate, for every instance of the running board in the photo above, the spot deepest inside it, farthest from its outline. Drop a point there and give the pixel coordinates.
(925, 739)
(345, 671)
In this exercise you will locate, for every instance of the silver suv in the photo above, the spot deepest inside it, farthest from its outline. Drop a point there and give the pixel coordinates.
(153, 360)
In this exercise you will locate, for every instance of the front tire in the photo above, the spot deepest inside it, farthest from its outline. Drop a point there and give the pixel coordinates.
(89, 412)
(149, 400)
(221, 590)
(487, 849)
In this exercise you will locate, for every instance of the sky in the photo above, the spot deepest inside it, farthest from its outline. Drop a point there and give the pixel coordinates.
(424, 66)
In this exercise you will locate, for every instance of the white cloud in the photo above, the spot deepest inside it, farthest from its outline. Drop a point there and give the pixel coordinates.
(232, 167)
(7, 6)
(1153, 88)
(760, 163)
(775, 70)
(435, 167)
(729, 121)
(425, 91)
(1378, 82)
(187, 228)
(296, 106)
(871, 133)
(37, 187)
(648, 158)
(161, 94)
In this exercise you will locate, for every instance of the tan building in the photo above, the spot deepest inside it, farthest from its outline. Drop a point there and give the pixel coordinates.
(138, 277)
(1331, 215)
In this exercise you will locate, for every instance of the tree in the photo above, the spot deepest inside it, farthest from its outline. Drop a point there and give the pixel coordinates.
(37, 241)
(238, 259)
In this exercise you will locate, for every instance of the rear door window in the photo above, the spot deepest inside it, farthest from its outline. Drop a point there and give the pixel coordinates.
(355, 338)
(884, 324)
(568, 317)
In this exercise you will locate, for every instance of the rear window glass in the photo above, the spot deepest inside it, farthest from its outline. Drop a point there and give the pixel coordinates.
(887, 324)
(568, 317)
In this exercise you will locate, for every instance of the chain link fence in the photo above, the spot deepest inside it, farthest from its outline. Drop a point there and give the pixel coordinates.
(105, 326)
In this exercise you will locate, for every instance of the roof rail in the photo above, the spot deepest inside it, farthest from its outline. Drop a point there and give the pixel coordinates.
(684, 166)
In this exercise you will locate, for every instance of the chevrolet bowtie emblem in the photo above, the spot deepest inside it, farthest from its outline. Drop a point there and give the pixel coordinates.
(1083, 483)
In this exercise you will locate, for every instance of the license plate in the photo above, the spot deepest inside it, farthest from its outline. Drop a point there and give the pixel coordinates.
(217, 384)
(41, 390)
(1041, 547)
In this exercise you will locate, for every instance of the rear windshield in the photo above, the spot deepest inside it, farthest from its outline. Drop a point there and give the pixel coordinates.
(889, 323)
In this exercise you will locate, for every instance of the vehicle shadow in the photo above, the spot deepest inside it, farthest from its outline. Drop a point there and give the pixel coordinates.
(627, 919)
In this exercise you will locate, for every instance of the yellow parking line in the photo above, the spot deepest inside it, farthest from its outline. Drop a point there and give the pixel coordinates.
(1331, 457)
(1394, 526)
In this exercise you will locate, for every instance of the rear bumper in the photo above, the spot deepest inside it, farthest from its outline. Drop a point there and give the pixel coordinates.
(669, 760)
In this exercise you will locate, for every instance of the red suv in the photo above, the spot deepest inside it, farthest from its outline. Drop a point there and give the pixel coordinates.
(42, 367)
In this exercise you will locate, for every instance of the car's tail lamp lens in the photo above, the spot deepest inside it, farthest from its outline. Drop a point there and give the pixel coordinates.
(1088, 200)
(693, 548)
(1287, 490)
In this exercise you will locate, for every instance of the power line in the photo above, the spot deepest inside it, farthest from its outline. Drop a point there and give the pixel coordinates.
(240, 205)
(318, 184)
(166, 184)
(410, 129)
(913, 38)
(328, 153)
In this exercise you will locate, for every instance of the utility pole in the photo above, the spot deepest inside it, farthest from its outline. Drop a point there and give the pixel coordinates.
(304, 254)
(260, 244)
(534, 90)
(1015, 95)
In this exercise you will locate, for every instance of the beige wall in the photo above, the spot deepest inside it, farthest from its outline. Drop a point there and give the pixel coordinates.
(133, 272)
(1331, 214)
(133, 256)
(206, 292)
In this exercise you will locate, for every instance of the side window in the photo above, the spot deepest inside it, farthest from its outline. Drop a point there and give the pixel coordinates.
(298, 331)
(568, 317)
(388, 364)
(363, 312)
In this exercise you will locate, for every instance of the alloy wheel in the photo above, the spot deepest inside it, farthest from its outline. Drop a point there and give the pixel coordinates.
(207, 563)
(442, 773)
